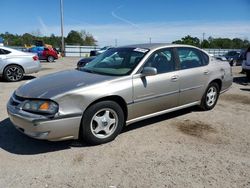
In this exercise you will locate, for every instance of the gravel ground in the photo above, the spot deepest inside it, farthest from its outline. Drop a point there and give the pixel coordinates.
(188, 148)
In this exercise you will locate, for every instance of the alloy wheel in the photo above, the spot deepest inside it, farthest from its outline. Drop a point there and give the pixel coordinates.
(211, 96)
(14, 73)
(104, 123)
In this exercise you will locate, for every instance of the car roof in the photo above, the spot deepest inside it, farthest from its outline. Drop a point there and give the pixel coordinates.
(153, 46)
(14, 51)
(9, 49)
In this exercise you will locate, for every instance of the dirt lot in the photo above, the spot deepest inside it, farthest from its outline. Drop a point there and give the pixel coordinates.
(188, 148)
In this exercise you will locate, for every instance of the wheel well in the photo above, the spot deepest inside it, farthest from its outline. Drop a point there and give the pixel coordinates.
(119, 100)
(218, 81)
(13, 64)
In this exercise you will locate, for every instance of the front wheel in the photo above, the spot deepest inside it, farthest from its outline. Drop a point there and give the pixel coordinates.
(50, 59)
(102, 122)
(13, 73)
(210, 97)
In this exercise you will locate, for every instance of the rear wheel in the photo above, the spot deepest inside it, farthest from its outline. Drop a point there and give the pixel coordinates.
(50, 59)
(13, 73)
(210, 97)
(248, 74)
(102, 122)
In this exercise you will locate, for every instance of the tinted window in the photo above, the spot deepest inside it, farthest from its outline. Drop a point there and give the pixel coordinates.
(205, 58)
(189, 58)
(162, 60)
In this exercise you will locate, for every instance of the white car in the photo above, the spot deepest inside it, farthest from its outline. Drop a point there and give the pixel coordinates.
(14, 64)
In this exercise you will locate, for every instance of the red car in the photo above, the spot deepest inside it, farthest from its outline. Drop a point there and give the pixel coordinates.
(43, 53)
(49, 54)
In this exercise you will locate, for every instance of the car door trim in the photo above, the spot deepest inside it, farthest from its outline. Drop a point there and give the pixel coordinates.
(162, 112)
(191, 88)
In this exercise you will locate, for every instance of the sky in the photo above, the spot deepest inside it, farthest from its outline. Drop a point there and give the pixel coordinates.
(129, 21)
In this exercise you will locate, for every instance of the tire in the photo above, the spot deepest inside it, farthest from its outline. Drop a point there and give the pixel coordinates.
(101, 122)
(13, 73)
(210, 97)
(248, 74)
(50, 59)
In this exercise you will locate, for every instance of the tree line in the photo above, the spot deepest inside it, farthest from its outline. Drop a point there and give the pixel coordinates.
(27, 39)
(222, 43)
(84, 38)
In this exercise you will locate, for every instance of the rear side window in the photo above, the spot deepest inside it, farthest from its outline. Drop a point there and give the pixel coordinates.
(205, 58)
(191, 58)
(4, 52)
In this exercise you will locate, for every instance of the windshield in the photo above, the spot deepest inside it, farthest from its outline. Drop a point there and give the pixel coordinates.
(116, 61)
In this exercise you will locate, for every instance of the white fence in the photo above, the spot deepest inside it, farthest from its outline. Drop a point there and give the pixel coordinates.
(79, 51)
(84, 51)
(218, 52)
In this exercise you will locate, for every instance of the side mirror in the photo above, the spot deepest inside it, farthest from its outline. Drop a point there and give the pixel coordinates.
(149, 71)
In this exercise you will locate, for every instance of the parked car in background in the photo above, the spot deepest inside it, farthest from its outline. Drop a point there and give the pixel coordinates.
(98, 52)
(48, 54)
(233, 57)
(121, 86)
(246, 63)
(82, 62)
(14, 64)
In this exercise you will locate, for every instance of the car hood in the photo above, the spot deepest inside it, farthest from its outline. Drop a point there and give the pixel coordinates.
(59, 83)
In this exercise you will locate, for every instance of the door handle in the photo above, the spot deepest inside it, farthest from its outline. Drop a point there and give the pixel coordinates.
(206, 72)
(174, 78)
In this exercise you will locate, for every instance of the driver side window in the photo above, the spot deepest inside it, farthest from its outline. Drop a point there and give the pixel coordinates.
(162, 60)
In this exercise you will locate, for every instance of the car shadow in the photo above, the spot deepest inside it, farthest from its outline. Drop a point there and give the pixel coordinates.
(45, 61)
(28, 77)
(159, 118)
(242, 80)
(11, 140)
(245, 89)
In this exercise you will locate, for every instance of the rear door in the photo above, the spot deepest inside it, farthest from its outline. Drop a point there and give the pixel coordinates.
(158, 92)
(193, 74)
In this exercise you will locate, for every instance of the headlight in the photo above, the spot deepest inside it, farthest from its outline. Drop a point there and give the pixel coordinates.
(40, 106)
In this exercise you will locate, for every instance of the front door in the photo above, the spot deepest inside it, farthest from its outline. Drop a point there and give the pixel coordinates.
(157, 92)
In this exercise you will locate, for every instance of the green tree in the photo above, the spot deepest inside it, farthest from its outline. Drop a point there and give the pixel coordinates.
(205, 44)
(27, 39)
(88, 39)
(74, 37)
(215, 42)
(188, 40)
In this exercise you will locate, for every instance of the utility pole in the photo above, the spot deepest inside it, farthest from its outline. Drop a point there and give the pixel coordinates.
(116, 42)
(61, 11)
(150, 40)
(203, 37)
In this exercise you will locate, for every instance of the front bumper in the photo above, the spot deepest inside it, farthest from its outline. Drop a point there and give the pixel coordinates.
(41, 127)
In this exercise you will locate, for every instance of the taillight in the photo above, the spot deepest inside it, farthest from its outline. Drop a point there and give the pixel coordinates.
(35, 58)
